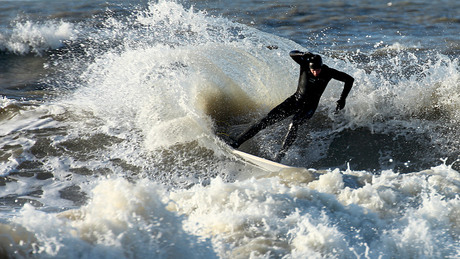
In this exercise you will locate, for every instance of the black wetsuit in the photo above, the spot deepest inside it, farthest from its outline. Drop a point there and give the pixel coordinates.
(302, 104)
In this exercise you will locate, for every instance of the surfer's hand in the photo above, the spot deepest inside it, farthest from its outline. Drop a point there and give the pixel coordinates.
(340, 104)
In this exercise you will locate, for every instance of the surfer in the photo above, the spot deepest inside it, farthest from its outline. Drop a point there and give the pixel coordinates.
(313, 79)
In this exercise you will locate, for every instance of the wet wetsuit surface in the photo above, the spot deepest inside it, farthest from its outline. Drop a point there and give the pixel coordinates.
(303, 103)
(310, 88)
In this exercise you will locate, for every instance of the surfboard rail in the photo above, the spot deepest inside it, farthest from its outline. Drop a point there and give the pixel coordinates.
(261, 162)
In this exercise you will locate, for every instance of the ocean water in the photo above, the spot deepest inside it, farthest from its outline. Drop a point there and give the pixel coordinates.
(109, 109)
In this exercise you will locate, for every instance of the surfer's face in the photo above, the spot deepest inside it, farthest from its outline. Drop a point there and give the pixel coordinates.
(315, 72)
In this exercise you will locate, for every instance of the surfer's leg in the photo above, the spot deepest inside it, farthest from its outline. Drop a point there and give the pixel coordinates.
(278, 113)
(268, 120)
(288, 141)
(291, 135)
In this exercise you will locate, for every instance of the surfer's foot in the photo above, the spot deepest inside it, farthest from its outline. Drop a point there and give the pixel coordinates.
(229, 140)
(233, 143)
(279, 156)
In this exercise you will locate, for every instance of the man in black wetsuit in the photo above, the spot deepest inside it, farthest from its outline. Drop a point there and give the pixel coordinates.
(314, 77)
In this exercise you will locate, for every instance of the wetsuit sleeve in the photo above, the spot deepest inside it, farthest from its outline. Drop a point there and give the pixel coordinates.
(344, 77)
(300, 57)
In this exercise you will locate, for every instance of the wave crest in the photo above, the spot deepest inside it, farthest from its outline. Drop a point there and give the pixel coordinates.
(36, 38)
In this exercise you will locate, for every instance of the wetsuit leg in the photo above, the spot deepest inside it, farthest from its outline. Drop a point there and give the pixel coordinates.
(298, 119)
(279, 113)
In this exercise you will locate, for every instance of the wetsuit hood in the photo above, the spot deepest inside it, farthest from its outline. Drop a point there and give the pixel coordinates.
(315, 62)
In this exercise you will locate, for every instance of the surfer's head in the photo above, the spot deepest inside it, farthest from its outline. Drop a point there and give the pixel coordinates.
(315, 62)
(315, 65)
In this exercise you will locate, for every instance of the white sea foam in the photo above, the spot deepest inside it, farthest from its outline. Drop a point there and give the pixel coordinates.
(30, 37)
(123, 219)
(411, 215)
(145, 111)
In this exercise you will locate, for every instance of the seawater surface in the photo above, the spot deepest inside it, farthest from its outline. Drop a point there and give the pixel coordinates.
(109, 109)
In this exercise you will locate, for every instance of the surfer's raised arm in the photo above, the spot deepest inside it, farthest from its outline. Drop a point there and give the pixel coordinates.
(300, 57)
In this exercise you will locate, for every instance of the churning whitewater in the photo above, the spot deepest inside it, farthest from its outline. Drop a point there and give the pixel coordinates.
(108, 146)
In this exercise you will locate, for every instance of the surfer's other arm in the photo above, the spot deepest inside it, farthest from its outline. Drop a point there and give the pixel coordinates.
(348, 84)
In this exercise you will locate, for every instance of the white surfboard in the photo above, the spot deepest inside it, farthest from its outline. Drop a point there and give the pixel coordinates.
(261, 162)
